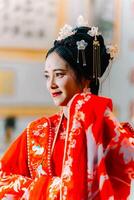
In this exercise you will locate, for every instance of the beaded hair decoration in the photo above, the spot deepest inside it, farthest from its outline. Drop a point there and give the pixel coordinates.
(81, 45)
(96, 53)
(68, 30)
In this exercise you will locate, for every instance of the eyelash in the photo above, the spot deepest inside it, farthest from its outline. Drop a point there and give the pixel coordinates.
(59, 75)
(46, 76)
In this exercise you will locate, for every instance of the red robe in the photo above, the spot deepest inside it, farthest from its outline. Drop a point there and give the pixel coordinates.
(93, 160)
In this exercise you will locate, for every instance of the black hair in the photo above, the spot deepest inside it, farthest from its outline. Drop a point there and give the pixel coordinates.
(67, 49)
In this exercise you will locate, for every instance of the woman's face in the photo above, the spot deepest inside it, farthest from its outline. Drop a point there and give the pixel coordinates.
(60, 80)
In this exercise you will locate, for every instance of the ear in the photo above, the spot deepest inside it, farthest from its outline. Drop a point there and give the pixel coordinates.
(86, 85)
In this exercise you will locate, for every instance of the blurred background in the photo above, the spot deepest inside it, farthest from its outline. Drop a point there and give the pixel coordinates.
(27, 30)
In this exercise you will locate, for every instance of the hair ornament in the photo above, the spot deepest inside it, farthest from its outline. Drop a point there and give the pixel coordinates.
(93, 32)
(81, 21)
(112, 50)
(96, 53)
(65, 32)
(81, 45)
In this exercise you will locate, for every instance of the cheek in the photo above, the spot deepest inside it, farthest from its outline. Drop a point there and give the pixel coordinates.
(71, 88)
(62, 83)
(68, 85)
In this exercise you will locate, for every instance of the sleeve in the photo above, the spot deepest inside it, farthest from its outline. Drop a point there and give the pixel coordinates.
(14, 172)
(119, 155)
(44, 187)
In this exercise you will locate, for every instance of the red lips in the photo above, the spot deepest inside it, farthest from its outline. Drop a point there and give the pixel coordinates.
(55, 94)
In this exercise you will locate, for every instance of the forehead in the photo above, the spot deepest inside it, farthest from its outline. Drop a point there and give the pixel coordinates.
(54, 61)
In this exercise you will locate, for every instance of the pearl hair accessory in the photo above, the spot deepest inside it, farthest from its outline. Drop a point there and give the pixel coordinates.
(68, 30)
(93, 32)
(81, 45)
(65, 32)
(112, 50)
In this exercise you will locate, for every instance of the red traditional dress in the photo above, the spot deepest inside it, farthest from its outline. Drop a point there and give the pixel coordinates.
(89, 156)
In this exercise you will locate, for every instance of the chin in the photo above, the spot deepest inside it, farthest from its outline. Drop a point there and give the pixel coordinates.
(63, 103)
(57, 103)
(60, 104)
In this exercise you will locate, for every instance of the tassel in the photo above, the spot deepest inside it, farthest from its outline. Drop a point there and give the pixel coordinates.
(81, 45)
(96, 60)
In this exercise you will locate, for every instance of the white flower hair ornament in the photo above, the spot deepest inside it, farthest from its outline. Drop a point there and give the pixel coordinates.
(93, 32)
(81, 45)
(112, 50)
(65, 32)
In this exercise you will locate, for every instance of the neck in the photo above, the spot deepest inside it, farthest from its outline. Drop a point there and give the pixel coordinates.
(66, 108)
(65, 111)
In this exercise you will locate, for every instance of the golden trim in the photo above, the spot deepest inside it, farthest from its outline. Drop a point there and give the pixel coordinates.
(25, 111)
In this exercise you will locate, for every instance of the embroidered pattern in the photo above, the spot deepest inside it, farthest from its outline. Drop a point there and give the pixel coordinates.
(74, 132)
(38, 150)
(127, 149)
(54, 187)
(85, 118)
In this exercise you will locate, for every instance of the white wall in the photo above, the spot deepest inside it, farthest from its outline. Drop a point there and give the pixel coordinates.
(121, 90)
(30, 87)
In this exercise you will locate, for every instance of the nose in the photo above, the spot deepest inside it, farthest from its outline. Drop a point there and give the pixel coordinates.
(52, 83)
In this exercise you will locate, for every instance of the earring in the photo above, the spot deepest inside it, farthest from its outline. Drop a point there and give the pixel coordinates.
(86, 90)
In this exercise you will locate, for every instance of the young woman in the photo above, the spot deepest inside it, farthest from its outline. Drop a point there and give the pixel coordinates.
(82, 152)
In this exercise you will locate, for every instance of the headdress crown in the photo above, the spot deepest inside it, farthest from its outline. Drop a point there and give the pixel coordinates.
(69, 31)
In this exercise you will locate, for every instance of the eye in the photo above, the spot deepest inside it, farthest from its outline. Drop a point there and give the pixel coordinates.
(59, 74)
(46, 76)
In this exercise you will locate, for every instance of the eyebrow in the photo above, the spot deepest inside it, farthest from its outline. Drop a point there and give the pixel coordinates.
(63, 70)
